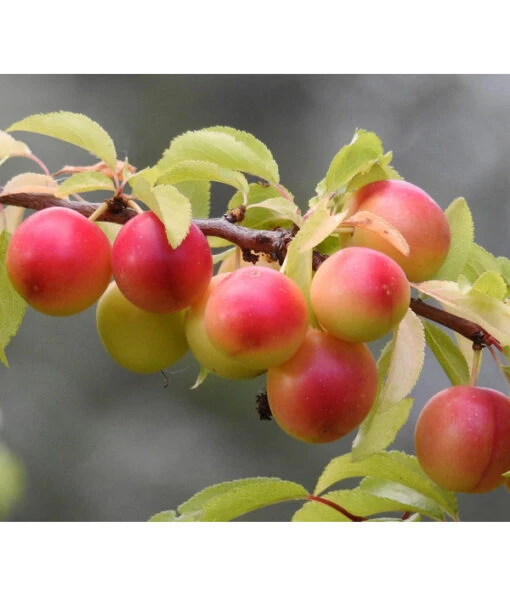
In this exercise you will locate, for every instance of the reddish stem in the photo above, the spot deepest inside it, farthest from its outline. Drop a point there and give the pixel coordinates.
(337, 507)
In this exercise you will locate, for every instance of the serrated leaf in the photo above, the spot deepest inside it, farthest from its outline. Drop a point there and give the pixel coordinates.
(480, 260)
(10, 147)
(12, 306)
(166, 516)
(327, 227)
(232, 499)
(408, 499)
(12, 480)
(149, 174)
(380, 170)
(380, 428)
(257, 192)
(504, 269)
(380, 226)
(298, 262)
(489, 312)
(87, 181)
(31, 182)
(186, 171)
(407, 357)
(380, 497)
(73, 128)
(394, 466)
(364, 150)
(172, 208)
(224, 146)
(198, 192)
(272, 212)
(447, 354)
(462, 233)
(491, 283)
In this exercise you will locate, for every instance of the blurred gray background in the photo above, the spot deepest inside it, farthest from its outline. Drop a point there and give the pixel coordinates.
(102, 444)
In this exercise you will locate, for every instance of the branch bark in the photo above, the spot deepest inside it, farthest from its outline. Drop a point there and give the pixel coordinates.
(269, 242)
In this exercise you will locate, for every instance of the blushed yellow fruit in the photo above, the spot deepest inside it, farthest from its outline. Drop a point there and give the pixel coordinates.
(140, 341)
(205, 352)
(359, 294)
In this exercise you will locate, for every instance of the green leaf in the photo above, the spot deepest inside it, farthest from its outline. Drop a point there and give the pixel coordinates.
(224, 146)
(73, 128)
(504, 269)
(447, 354)
(487, 311)
(298, 262)
(491, 283)
(31, 182)
(378, 498)
(12, 306)
(408, 499)
(166, 516)
(172, 208)
(10, 147)
(271, 213)
(186, 171)
(380, 428)
(393, 466)
(380, 170)
(232, 499)
(198, 192)
(479, 261)
(12, 481)
(462, 233)
(88, 181)
(364, 151)
(407, 357)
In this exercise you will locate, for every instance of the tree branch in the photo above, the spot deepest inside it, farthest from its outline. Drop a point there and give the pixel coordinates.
(269, 242)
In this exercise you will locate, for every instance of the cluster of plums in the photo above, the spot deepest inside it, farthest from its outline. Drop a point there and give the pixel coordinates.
(241, 323)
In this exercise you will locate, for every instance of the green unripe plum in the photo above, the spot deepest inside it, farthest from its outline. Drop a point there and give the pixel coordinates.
(204, 351)
(59, 261)
(153, 275)
(325, 390)
(415, 215)
(359, 294)
(140, 341)
(257, 316)
(462, 438)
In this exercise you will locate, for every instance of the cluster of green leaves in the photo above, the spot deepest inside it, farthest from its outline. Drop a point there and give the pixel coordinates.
(471, 283)
(393, 482)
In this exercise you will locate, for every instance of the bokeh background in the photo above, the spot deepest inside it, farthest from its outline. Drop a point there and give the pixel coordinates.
(101, 444)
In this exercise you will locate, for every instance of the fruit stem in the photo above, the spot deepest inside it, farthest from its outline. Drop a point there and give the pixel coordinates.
(477, 358)
(131, 203)
(103, 207)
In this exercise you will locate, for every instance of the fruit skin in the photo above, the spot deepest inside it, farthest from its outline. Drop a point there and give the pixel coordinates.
(325, 390)
(462, 438)
(257, 316)
(153, 275)
(59, 261)
(204, 351)
(359, 294)
(418, 218)
(140, 341)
